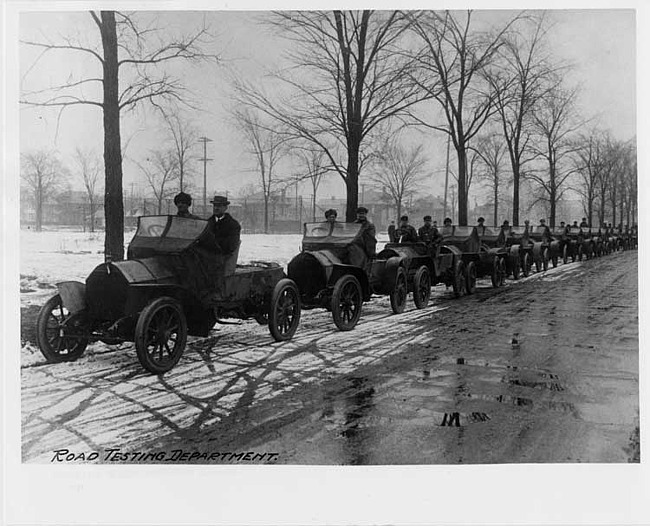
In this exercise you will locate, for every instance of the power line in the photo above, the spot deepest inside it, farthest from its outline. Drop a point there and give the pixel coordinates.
(205, 141)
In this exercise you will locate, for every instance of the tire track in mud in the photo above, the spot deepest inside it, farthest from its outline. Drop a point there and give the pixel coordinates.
(238, 378)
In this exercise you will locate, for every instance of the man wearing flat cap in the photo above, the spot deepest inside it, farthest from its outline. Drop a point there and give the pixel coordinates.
(428, 233)
(405, 233)
(183, 202)
(226, 232)
(363, 247)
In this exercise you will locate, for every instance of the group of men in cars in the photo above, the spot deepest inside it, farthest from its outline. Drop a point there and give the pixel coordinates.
(226, 231)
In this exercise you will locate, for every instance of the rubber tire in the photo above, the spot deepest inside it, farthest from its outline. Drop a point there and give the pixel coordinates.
(400, 292)
(285, 305)
(51, 354)
(458, 284)
(503, 272)
(147, 316)
(526, 265)
(470, 278)
(422, 287)
(516, 269)
(494, 277)
(349, 285)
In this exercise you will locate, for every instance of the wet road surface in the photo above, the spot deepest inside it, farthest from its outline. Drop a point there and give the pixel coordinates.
(542, 370)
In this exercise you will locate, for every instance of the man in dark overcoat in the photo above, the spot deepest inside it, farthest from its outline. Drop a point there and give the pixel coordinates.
(225, 235)
(405, 233)
(363, 247)
(225, 229)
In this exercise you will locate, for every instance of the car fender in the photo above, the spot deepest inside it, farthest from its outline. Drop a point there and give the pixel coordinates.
(73, 295)
(337, 271)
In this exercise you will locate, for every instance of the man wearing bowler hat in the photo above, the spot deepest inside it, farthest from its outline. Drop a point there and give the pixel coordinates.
(226, 232)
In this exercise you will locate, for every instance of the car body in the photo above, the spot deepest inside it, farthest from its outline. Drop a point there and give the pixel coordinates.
(172, 284)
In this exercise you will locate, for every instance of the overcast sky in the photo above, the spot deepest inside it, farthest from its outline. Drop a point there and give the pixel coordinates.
(600, 44)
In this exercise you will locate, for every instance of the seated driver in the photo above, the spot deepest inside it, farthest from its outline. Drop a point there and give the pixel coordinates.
(330, 217)
(183, 202)
(405, 233)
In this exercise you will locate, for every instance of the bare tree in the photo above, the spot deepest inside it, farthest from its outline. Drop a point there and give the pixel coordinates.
(519, 81)
(43, 174)
(267, 148)
(588, 161)
(628, 184)
(456, 60)
(400, 170)
(491, 150)
(555, 123)
(183, 137)
(348, 76)
(315, 168)
(130, 59)
(161, 171)
(89, 168)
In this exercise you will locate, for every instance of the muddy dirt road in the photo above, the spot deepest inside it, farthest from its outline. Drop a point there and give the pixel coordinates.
(542, 370)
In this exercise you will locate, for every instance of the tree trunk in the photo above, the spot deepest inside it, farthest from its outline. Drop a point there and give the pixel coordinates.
(352, 182)
(515, 194)
(39, 206)
(266, 213)
(92, 216)
(113, 205)
(462, 185)
(496, 199)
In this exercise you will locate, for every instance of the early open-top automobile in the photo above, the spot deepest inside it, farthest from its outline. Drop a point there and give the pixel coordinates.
(329, 274)
(173, 283)
(478, 259)
(520, 248)
(494, 254)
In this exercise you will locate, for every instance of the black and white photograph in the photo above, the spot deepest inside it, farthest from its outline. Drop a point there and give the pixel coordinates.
(259, 260)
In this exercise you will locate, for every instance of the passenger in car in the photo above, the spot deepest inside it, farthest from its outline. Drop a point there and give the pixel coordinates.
(364, 245)
(226, 232)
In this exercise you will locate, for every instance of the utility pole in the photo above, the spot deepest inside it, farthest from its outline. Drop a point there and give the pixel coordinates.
(205, 141)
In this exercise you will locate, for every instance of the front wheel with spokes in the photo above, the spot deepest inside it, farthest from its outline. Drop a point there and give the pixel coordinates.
(160, 335)
(61, 335)
(284, 313)
(346, 302)
(422, 287)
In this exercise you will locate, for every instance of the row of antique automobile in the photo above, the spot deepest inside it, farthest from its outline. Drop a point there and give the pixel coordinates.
(171, 285)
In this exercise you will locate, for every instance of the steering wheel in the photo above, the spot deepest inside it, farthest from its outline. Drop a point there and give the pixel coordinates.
(155, 230)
